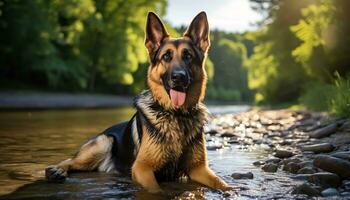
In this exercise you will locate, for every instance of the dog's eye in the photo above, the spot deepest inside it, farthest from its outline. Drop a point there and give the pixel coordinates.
(167, 56)
(187, 56)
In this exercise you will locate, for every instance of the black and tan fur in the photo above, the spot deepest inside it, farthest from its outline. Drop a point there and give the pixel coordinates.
(161, 142)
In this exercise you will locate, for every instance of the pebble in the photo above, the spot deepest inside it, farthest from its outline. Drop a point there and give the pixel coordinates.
(329, 192)
(342, 154)
(291, 167)
(345, 127)
(306, 164)
(228, 134)
(273, 160)
(212, 132)
(324, 131)
(248, 175)
(214, 147)
(258, 163)
(332, 164)
(301, 176)
(307, 189)
(289, 160)
(270, 167)
(318, 148)
(345, 194)
(325, 179)
(346, 185)
(279, 153)
(306, 170)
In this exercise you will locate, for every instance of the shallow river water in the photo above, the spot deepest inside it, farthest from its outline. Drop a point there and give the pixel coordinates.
(29, 141)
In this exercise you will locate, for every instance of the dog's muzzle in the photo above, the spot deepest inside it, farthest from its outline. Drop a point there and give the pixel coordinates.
(177, 83)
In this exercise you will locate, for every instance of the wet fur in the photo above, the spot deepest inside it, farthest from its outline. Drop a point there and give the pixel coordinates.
(172, 143)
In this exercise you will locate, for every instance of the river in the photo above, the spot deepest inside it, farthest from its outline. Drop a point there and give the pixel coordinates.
(31, 140)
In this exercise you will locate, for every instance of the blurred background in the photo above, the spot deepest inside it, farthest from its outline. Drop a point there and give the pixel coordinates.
(267, 52)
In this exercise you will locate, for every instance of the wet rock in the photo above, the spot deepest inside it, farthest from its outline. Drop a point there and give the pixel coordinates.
(307, 189)
(233, 141)
(270, 167)
(306, 170)
(258, 163)
(289, 160)
(301, 177)
(228, 134)
(291, 167)
(346, 185)
(248, 175)
(279, 153)
(342, 154)
(345, 194)
(345, 126)
(273, 160)
(306, 164)
(324, 131)
(214, 146)
(212, 132)
(332, 164)
(325, 179)
(329, 192)
(318, 148)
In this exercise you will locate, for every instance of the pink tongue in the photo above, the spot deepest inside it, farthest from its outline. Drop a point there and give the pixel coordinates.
(177, 98)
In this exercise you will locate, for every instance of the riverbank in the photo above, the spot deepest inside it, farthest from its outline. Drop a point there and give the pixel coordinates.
(313, 148)
(39, 100)
(47, 101)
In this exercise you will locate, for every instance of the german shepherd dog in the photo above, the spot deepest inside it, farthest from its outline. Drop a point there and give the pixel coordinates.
(164, 140)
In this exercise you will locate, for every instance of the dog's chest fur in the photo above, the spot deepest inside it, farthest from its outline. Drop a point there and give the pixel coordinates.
(176, 132)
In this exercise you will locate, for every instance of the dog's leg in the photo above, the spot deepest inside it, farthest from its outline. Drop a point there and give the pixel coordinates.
(89, 157)
(148, 158)
(204, 175)
(144, 175)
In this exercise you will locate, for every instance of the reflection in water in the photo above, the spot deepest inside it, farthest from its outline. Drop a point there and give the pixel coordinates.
(32, 140)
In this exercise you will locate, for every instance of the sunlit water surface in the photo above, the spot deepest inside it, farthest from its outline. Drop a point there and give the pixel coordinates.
(29, 141)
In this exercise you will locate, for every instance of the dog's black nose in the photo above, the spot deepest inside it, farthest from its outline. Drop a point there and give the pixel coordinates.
(178, 76)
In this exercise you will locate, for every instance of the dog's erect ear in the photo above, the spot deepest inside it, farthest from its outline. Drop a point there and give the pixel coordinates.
(198, 31)
(155, 33)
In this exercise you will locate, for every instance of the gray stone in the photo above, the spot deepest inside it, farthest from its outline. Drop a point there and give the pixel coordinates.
(329, 192)
(279, 153)
(318, 148)
(270, 167)
(306, 164)
(325, 179)
(345, 127)
(214, 146)
(345, 194)
(301, 177)
(332, 164)
(273, 160)
(258, 163)
(248, 175)
(342, 154)
(324, 131)
(346, 185)
(291, 167)
(307, 189)
(306, 170)
(289, 160)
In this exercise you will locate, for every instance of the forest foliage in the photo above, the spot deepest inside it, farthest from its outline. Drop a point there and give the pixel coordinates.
(302, 54)
(299, 53)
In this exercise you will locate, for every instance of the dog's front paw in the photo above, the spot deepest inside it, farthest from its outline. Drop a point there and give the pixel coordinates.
(227, 188)
(55, 174)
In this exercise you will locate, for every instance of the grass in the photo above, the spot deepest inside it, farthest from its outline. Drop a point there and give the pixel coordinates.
(334, 98)
(340, 102)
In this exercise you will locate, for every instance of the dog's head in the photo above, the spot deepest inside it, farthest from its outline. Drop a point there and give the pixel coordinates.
(177, 76)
